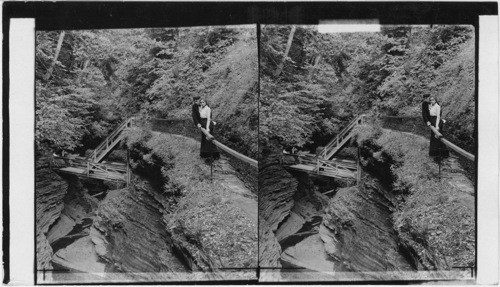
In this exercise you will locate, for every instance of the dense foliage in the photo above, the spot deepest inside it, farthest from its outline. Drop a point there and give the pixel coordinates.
(327, 79)
(89, 81)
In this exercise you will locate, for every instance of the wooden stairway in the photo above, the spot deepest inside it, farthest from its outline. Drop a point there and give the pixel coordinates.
(341, 139)
(92, 165)
(110, 142)
(325, 164)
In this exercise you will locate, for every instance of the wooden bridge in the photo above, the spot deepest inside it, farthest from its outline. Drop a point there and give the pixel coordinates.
(325, 164)
(93, 166)
(111, 171)
(343, 169)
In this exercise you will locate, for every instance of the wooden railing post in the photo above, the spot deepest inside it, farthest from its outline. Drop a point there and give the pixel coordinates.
(358, 168)
(128, 167)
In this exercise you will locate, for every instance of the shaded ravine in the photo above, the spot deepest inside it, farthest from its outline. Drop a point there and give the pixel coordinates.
(352, 236)
(331, 237)
(124, 236)
(312, 230)
(126, 239)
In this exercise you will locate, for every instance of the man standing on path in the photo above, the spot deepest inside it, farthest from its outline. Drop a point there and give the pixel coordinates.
(195, 111)
(426, 116)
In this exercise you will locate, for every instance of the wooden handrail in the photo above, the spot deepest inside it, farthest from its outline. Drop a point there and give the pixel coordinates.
(449, 144)
(230, 151)
(452, 145)
(341, 136)
(111, 139)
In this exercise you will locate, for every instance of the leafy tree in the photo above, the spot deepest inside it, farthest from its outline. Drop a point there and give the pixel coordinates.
(377, 73)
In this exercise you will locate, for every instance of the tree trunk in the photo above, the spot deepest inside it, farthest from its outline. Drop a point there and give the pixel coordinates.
(58, 49)
(288, 45)
(314, 67)
(83, 71)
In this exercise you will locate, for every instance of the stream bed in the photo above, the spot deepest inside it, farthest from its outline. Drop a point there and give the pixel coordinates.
(348, 231)
(113, 234)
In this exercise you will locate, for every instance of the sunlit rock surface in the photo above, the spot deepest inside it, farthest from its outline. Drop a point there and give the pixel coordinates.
(309, 254)
(80, 257)
(269, 248)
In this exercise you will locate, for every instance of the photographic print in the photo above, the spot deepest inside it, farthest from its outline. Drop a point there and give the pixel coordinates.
(146, 142)
(250, 143)
(367, 144)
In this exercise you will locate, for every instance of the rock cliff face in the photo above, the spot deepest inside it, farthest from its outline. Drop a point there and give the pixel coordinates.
(130, 235)
(50, 190)
(204, 222)
(434, 210)
(358, 233)
(269, 248)
(276, 190)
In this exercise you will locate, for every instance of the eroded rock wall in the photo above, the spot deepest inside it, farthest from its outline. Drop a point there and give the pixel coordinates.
(130, 235)
(276, 190)
(358, 232)
(50, 190)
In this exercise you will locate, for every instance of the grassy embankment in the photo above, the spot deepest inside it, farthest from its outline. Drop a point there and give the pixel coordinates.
(432, 217)
(205, 218)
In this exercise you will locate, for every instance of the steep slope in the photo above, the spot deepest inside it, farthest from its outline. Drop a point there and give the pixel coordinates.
(226, 75)
(233, 87)
(197, 222)
(434, 212)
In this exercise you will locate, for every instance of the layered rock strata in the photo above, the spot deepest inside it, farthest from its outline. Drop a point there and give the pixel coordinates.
(50, 190)
(358, 233)
(276, 190)
(130, 236)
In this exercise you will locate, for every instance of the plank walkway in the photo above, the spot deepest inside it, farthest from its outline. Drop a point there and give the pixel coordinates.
(324, 171)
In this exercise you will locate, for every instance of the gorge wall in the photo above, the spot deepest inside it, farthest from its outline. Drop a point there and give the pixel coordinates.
(399, 219)
(171, 223)
(50, 190)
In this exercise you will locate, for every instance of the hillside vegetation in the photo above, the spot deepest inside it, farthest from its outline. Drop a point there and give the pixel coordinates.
(433, 217)
(89, 81)
(311, 90)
